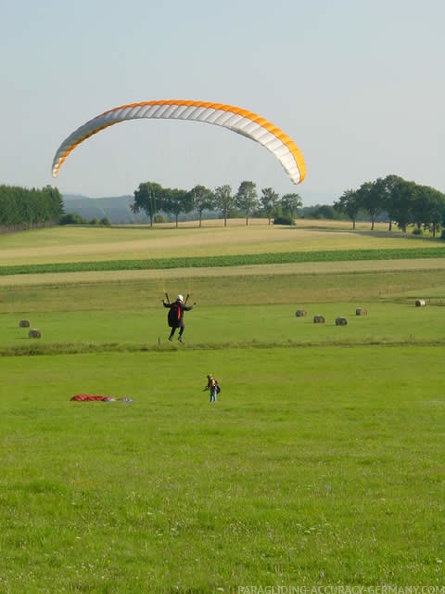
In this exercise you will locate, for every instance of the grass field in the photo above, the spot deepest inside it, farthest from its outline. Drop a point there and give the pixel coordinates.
(322, 463)
(80, 244)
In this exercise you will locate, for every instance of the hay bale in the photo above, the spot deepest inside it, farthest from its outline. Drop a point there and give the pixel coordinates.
(24, 324)
(420, 302)
(34, 333)
(360, 311)
(301, 313)
(341, 322)
(319, 319)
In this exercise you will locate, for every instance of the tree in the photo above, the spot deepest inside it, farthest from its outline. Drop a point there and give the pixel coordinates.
(21, 208)
(400, 200)
(268, 201)
(202, 199)
(386, 189)
(224, 200)
(290, 203)
(148, 197)
(428, 208)
(349, 204)
(176, 201)
(372, 199)
(53, 202)
(246, 198)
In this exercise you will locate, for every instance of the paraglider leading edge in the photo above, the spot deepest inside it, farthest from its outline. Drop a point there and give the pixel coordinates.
(236, 119)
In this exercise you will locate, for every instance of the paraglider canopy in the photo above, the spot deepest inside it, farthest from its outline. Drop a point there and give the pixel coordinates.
(236, 119)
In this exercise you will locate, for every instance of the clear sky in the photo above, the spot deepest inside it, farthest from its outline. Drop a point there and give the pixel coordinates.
(358, 84)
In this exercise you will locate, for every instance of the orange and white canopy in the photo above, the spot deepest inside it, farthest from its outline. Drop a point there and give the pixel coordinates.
(238, 120)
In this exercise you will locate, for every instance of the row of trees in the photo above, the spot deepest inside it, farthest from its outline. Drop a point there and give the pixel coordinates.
(153, 199)
(404, 202)
(21, 208)
(392, 198)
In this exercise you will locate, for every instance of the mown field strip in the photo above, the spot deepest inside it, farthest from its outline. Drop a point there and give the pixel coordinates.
(69, 244)
(260, 269)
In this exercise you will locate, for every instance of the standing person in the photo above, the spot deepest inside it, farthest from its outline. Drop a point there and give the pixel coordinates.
(213, 386)
(176, 315)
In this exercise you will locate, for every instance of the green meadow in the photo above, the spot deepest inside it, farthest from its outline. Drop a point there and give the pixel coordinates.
(321, 464)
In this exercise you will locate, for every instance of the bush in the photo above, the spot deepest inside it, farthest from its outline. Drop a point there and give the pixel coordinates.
(283, 221)
(72, 218)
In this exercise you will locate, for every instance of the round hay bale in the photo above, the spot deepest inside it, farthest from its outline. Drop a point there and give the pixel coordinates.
(420, 302)
(24, 324)
(301, 313)
(34, 333)
(319, 319)
(341, 322)
(360, 311)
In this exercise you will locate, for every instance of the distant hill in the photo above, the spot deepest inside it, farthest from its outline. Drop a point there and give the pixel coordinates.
(116, 209)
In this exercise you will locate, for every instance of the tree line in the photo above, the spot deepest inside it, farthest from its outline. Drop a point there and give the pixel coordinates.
(404, 203)
(153, 199)
(22, 208)
(400, 202)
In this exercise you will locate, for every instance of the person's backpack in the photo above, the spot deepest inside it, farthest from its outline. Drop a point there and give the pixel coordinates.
(218, 388)
(174, 315)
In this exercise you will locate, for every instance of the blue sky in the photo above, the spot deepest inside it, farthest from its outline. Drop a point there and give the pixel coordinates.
(358, 84)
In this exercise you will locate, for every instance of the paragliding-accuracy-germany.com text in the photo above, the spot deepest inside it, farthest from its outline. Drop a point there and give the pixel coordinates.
(384, 589)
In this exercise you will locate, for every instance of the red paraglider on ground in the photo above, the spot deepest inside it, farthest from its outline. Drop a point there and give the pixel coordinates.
(97, 398)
